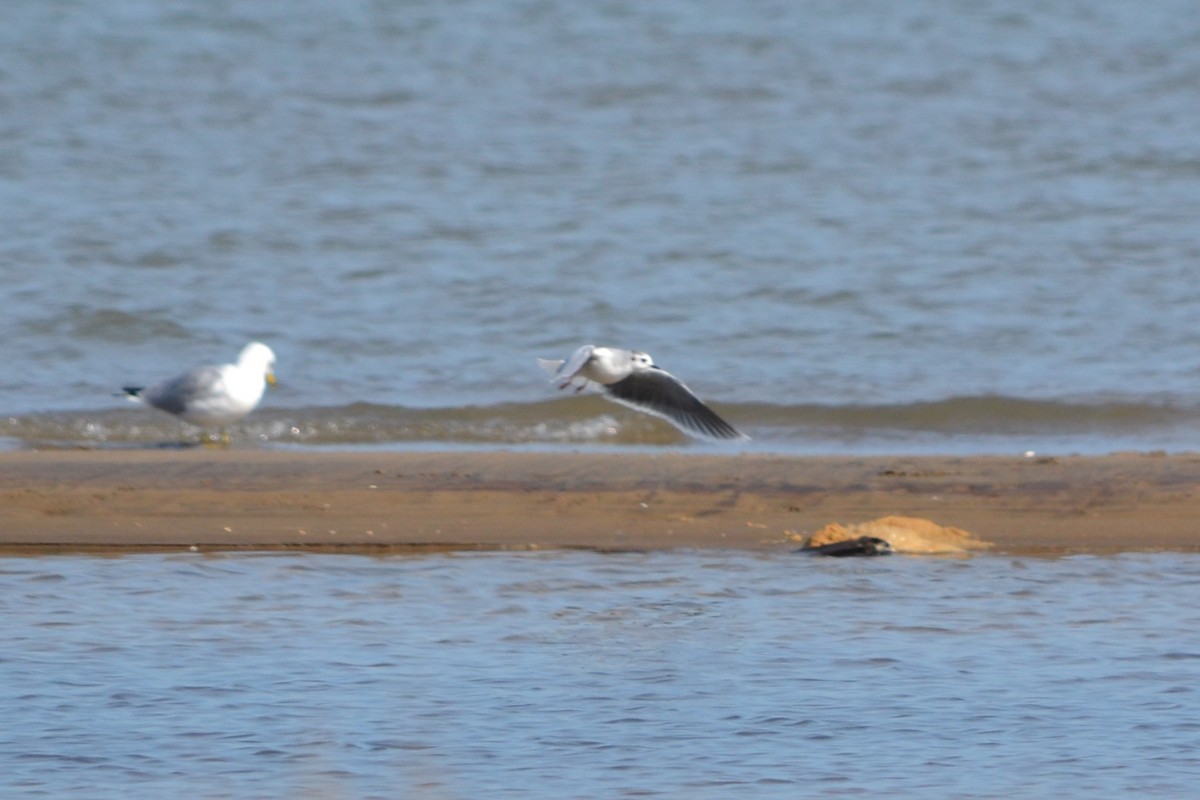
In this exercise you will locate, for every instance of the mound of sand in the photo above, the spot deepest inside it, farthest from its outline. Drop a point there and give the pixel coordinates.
(904, 534)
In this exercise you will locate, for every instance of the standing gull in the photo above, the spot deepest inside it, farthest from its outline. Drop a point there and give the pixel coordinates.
(631, 378)
(216, 395)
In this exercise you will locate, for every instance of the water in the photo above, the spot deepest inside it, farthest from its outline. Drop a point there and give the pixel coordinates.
(877, 227)
(574, 674)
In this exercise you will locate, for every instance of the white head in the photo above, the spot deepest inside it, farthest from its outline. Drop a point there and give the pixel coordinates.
(641, 360)
(258, 359)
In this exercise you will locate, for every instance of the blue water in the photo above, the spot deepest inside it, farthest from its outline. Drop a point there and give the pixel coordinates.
(682, 674)
(830, 220)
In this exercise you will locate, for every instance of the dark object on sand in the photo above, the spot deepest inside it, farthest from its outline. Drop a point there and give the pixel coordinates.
(862, 546)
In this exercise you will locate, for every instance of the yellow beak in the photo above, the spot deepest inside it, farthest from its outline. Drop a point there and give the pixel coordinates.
(270, 378)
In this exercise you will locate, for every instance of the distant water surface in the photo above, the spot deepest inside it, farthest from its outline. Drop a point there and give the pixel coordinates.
(883, 226)
(578, 675)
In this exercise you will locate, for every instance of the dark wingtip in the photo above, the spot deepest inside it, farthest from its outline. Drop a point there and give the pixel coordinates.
(722, 434)
(708, 424)
(132, 391)
(729, 433)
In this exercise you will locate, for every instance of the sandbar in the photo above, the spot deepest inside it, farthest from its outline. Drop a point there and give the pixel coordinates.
(55, 501)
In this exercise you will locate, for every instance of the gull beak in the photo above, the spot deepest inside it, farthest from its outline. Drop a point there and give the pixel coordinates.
(270, 378)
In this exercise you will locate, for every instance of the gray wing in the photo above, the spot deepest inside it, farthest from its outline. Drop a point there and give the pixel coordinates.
(566, 373)
(551, 365)
(658, 392)
(176, 395)
(576, 362)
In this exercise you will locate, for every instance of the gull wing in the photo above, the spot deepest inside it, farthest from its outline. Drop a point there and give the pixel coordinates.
(177, 395)
(551, 365)
(577, 361)
(655, 391)
(566, 373)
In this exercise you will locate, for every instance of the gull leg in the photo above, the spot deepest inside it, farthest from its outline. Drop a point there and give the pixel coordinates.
(218, 439)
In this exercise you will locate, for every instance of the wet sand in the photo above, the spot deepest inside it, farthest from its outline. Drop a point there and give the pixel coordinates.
(63, 501)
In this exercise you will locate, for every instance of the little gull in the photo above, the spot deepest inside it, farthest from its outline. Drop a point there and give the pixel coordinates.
(631, 378)
(217, 395)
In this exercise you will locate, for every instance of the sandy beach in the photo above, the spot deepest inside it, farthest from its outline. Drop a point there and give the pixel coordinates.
(61, 501)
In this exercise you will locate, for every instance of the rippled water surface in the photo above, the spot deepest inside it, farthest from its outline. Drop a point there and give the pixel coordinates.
(582, 675)
(873, 226)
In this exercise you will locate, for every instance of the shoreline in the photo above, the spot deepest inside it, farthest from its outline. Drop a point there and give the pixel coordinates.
(125, 501)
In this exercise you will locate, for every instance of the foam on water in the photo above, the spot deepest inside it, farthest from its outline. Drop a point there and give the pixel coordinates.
(961, 425)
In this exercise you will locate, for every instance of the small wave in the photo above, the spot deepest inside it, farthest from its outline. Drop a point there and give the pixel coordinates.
(357, 424)
(988, 414)
(593, 421)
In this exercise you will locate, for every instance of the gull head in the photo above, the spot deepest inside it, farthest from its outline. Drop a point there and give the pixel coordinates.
(258, 359)
(641, 360)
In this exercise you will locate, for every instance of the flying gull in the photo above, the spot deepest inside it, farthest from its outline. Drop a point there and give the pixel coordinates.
(631, 378)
